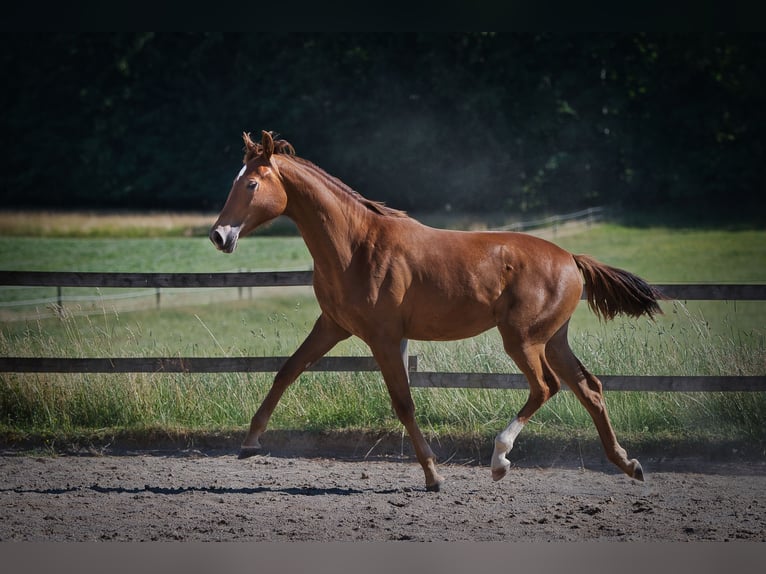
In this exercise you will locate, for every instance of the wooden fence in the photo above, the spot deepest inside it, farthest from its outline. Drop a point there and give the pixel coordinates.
(688, 292)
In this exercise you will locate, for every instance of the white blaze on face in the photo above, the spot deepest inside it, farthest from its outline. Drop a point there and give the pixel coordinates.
(241, 172)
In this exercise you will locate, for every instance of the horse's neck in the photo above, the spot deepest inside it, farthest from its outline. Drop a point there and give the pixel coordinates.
(331, 222)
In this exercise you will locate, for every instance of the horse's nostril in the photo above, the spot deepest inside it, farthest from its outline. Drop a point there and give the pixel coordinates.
(217, 238)
(224, 237)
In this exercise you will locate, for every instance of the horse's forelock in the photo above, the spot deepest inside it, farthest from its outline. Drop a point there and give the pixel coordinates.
(254, 149)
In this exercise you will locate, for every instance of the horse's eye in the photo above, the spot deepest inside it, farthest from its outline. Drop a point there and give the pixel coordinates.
(252, 185)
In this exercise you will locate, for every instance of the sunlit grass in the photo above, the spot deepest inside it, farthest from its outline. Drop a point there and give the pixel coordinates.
(664, 255)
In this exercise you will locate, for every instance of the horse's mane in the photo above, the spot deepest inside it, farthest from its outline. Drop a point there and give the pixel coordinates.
(283, 147)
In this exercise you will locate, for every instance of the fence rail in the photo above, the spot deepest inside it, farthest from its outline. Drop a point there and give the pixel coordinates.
(423, 379)
(590, 215)
(180, 364)
(143, 280)
(683, 291)
(646, 383)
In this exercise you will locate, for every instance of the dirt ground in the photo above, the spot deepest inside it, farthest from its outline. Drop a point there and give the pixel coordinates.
(209, 495)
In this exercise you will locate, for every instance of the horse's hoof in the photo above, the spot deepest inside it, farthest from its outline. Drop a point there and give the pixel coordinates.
(435, 487)
(638, 472)
(501, 471)
(248, 451)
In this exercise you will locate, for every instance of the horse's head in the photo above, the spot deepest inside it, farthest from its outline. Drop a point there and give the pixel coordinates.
(257, 194)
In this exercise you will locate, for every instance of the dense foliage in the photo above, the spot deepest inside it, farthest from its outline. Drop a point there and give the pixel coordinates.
(468, 121)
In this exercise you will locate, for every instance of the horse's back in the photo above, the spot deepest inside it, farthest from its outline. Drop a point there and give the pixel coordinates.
(497, 250)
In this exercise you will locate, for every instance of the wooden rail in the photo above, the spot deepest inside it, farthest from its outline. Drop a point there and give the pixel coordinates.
(611, 382)
(686, 291)
(142, 280)
(180, 364)
(689, 292)
(421, 379)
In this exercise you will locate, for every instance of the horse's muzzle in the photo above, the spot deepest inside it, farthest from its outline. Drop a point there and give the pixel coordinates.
(224, 237)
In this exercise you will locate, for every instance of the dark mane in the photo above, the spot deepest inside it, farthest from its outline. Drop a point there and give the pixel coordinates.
(283, 147)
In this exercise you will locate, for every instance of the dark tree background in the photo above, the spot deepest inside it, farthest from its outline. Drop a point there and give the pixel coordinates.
(475, 121)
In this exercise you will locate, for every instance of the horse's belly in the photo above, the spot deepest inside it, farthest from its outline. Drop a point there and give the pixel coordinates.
(448, 324)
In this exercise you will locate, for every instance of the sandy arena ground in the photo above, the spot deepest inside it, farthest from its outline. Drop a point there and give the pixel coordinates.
(209, 495)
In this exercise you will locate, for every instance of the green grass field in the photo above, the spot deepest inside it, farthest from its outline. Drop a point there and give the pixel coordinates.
(703, 338)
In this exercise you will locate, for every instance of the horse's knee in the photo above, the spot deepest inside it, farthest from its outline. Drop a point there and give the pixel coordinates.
(594, 402)
(595, 386)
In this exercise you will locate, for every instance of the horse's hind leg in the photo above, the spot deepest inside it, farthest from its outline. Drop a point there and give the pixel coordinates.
(543, 384)
(589, 392)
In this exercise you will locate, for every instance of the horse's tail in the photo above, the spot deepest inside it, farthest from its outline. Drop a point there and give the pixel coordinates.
(612, 291)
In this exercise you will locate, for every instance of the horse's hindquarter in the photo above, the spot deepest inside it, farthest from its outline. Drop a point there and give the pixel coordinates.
(543, 288)
(489, 278)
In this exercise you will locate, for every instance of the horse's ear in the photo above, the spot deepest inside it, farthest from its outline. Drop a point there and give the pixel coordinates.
(267, 145)
(251, 149)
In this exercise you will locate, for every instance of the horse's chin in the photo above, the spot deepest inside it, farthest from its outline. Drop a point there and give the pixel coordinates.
(230, 249)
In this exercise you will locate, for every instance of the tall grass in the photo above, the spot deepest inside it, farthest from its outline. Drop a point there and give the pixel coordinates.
(680, 343)
(70, 402)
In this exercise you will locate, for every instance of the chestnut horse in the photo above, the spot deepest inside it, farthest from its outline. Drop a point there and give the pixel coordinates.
(386, 278)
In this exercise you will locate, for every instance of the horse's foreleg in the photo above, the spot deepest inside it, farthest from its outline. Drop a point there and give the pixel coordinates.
(323, 337)
(393, 366)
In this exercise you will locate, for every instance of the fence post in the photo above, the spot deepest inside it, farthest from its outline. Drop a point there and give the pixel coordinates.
(59, 301)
